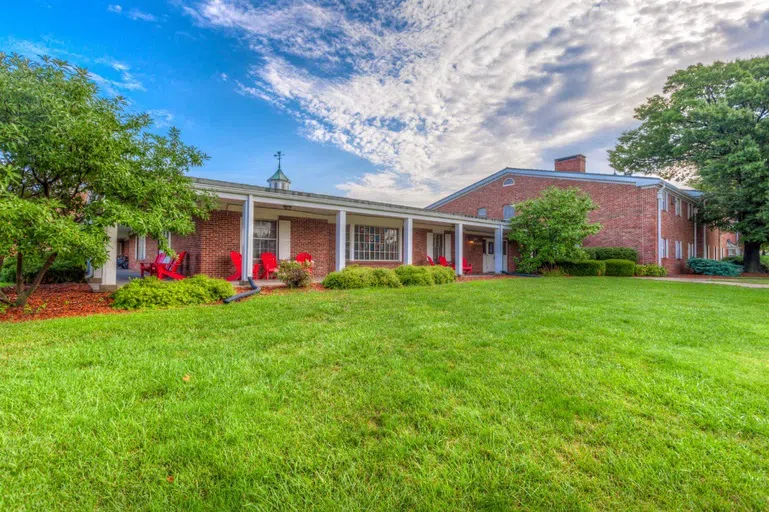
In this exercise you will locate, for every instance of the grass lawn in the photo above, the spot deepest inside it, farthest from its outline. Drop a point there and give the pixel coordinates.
(538, 393)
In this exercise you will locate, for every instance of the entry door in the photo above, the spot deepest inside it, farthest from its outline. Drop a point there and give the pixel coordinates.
(488, 255)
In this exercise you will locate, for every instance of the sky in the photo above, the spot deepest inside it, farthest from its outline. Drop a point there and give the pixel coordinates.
(400, 101)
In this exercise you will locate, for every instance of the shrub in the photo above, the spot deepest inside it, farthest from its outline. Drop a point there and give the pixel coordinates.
(619, 268)
(738, 260)
(442, 275)
(151, 293)
(385, 278)
(612, 253)
(552, 272)
(349, 278)
(295, 274)
(713, 268)
(62, 271)
(650, 270)
(583, 267)
(411, 275)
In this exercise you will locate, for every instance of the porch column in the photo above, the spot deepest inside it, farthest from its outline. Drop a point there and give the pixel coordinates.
(459, 239)
(498, 250)
(105, 277)
(248, 239)
(408, 239)
(341, 238)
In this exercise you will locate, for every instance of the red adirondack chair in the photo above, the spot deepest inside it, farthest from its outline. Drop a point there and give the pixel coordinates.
(269, 264)
(237, 260)
(430, 261)
(152, 267)
(466, 267)
(170, 269)
(442, 261)
(305, 258)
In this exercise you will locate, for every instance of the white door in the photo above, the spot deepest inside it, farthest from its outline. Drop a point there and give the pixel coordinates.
(488, 255)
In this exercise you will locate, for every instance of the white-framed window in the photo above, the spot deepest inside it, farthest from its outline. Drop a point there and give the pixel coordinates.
(665, 249)
(376, 243)
(508, 212)
(677, 202)
(679, 249)
(482, 212)
(689, 210)
(141, 248)
(508, 182)
(265, 237)
(689, 251)
(665, 200)
(437, 245)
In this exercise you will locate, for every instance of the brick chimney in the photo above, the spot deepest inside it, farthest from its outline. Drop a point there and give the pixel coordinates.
(575, 163)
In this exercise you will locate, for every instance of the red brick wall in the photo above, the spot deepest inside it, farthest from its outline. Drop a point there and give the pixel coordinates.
(420, 246)
(676, 228)
(190, 243)
(152, 251)
(219, 235)
(575, 164)
(312, 236)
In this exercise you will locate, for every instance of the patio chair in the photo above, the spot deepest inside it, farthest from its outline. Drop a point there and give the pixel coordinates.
(466, 267)
(305, 258)
(237, 260)
(152, 267)
(269, 264)
(430, 261)
(171, 269)
(442, 261)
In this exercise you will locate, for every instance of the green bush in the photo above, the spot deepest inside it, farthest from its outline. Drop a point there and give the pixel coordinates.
(442, 275)
(713, 268)
(411, 275)
(62, 271)
(650, 270)
(619, 268)
(738, 260)
(295, 274)
(612, 253)
(151, 293)
(385, 278)
(349, 278)
(583, 267)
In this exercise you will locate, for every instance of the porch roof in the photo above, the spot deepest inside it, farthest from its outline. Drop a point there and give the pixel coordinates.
(240, 191)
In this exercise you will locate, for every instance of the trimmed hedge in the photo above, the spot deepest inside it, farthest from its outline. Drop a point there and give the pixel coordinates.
(612, 253)
(385, 278)
(650, 270)
(442, 275)
(62, 271)
(713, 268)
(411, 275)
(583, 267)
(619, 268)
(350, 278)
(152, 293)
(738, 260)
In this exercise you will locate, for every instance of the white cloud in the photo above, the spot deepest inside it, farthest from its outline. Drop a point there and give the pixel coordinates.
(162, 117)
(127, 80)
(133, 14)
(115, 8)
(441, 93)
(223, 77)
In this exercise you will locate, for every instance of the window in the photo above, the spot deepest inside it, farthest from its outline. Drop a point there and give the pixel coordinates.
(665, 201)
(437, 245)
(677, 203)
(141, 248)
(665, 247)
(374, 243)
(265, 237)
(508, 212)
(481, 212)
(679, 249)
(689, 211)
(689, 251)
(508, 182)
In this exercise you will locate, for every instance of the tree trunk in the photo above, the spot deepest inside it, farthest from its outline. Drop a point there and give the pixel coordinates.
(752, 257)
(19, 273)
(22, 298)
(3, 297)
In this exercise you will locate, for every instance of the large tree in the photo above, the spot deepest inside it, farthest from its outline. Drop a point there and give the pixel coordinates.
(552, 227)
(73, 162)
(710, 128)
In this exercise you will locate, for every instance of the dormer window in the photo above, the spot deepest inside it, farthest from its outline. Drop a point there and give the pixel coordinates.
(482, 212)
(508, 212)
(508, 182)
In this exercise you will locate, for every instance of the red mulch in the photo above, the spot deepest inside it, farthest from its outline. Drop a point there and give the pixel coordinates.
(56, 301)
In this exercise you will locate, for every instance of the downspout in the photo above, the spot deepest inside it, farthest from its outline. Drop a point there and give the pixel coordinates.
(660, 198)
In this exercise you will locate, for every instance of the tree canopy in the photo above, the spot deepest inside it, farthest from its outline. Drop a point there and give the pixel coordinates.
(710, 128)
(552, 227)
(73, 162)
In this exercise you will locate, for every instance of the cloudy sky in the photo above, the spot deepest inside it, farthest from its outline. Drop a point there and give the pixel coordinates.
(402, 101)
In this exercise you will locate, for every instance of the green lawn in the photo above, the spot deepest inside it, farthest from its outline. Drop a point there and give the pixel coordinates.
(574, 393)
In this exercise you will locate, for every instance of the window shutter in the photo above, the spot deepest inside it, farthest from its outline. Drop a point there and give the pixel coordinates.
(430, 245)
(447, 246)
(284, 239)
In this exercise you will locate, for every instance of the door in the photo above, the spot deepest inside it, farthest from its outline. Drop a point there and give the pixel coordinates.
(488, 255)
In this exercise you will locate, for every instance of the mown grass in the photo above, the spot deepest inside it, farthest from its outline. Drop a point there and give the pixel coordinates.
(528, 393)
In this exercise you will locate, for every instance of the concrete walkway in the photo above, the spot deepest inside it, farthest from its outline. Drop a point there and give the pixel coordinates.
(706, 281)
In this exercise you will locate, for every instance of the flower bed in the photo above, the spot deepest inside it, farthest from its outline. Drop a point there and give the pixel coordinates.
(56, 301)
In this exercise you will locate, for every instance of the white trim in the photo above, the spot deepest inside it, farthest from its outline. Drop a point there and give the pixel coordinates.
(341, 225)
(248, 249)
(498, 250)
(408, 239)
(429, 245)
(284, 239)
(458, 238)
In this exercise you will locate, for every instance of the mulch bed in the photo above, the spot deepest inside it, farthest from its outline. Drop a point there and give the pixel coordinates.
(57, 301)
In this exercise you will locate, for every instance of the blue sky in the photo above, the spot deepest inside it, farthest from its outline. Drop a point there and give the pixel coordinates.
(396, 100)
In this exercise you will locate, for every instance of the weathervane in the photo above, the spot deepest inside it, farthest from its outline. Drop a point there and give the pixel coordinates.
(278, 155)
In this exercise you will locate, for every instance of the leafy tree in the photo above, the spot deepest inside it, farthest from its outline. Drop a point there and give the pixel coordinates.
(73, 163)
(552, 227)
(710, 127)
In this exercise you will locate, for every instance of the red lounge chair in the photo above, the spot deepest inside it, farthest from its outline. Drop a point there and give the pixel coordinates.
(269, 264)
(442, 262)
(430, 261)
(237, 260)
(466, 268)
(152, 267)
(170, 269)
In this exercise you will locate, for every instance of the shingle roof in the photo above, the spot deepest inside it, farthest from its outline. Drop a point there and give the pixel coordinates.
(279, 176)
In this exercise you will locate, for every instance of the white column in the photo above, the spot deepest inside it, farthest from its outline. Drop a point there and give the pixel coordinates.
(341, 237)
(498, 250)
(248, 239)
(408, 239)
(458, 243)
(106, 275)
